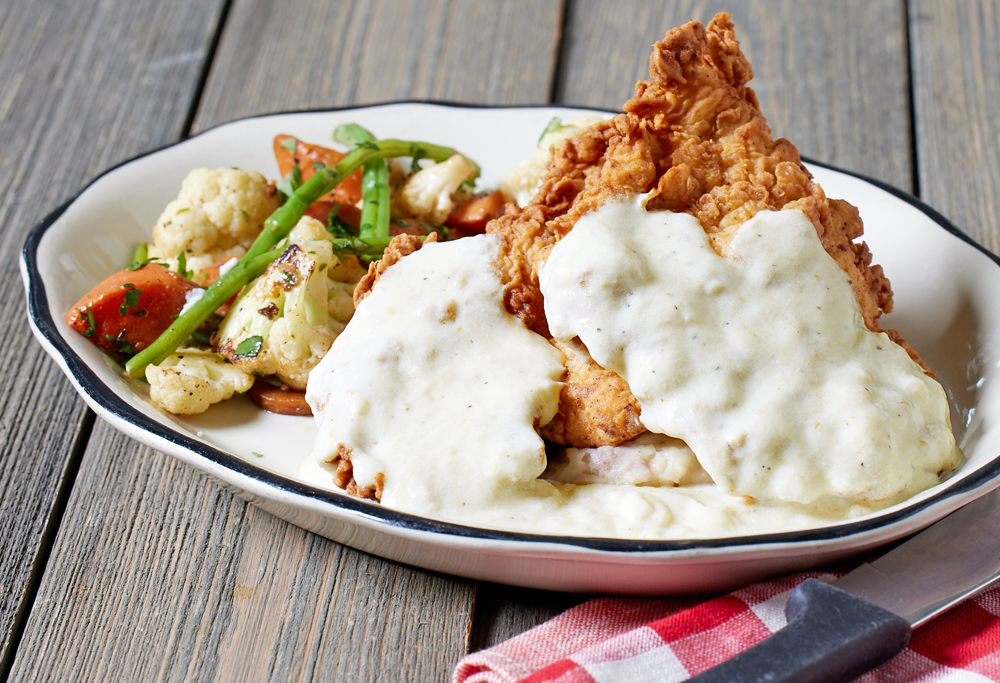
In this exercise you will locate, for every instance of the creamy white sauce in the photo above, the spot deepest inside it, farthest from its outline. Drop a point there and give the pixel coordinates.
(760, 362)
(434, 385)
(437, 387)
(191, 297)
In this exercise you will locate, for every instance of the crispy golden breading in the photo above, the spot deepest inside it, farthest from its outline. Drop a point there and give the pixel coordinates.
(343, 476)
(400, 246)
(693, 137)
(595, 405)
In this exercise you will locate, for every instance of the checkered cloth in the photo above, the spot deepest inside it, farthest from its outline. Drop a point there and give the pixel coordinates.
(614, 640)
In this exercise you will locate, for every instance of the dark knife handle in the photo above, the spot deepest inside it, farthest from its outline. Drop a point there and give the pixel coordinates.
(831, 637)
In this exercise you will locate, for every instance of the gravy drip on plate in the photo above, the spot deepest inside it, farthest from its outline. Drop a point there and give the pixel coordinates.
(759, 361)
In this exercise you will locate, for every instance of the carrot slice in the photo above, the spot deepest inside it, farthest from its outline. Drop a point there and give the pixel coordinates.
(281, 400)
(307, 157)
(470, 216)
(320, 210)
(126, 312)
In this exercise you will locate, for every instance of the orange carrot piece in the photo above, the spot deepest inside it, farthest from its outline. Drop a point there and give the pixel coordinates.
(470, 216)
(320, 210)
(126, 312)
(281, 400)
(304, 156)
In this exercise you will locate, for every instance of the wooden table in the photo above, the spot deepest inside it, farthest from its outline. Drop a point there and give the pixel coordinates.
(119, 563)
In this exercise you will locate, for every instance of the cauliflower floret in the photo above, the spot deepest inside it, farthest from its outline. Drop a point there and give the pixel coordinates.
(216, 216)
(286, 321)
(427, 194)
(521, 184)
(190, 380)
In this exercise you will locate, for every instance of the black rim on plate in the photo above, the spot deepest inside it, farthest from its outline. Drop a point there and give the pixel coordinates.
(100, 393)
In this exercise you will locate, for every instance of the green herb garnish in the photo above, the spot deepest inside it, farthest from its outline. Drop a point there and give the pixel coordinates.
(123, 346)
(131, 299)
(182, 266)
(91, 325)
(249, 347)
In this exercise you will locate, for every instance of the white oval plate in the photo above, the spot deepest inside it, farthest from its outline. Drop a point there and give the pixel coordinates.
(946, 290)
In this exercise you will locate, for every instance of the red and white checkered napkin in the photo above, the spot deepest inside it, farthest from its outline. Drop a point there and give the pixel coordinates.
(612, 640)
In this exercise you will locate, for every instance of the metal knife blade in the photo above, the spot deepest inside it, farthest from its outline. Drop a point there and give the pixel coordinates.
(946, 563)
(839, 631)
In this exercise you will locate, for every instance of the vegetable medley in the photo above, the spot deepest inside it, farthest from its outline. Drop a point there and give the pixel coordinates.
(247, 282)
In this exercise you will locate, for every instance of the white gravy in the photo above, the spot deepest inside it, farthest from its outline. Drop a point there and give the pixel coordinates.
(437, 387)
(760, 362)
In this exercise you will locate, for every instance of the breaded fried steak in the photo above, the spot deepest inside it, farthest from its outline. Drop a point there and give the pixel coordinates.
(694, 138)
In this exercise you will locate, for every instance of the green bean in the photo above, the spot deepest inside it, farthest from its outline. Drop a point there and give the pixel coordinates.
(375, 216)
(276, 228)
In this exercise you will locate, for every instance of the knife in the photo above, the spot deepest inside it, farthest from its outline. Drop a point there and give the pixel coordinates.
(839, 631)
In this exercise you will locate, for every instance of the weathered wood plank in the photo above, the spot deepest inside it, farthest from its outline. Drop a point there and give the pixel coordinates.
(365, 52)
(831, 76)
(159, 574)
(182, 579)
(956, 96)
(56, 132)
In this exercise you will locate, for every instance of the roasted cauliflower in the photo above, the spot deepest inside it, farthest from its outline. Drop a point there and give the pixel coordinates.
(429, 194)
(217, 215)
(520, 185)
(285, 322)
(190, 380)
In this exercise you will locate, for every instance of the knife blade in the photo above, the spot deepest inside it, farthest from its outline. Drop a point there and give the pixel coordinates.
(839, 631)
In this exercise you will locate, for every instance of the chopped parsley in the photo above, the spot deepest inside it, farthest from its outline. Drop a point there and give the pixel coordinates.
(290, 183)
(139, 264)
(318, 166)
(249, 347)
(417, 155)
(130, 300)
(123, 346)
(257, 455)
(335, 226)
(182, 266)
(290, 144)
(91, 325)
(246, 216)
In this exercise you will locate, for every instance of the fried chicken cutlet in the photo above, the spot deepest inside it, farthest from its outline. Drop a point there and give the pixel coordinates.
(694, 138)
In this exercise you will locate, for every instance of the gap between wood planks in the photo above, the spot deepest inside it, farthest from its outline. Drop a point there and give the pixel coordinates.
(85, 429)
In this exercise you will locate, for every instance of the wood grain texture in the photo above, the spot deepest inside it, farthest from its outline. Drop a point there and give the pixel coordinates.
(955, 49)
(304, 54)
(80, 89)
(831, 76)
(159, 574)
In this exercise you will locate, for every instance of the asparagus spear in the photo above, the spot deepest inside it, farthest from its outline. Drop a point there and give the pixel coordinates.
(276, 228)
